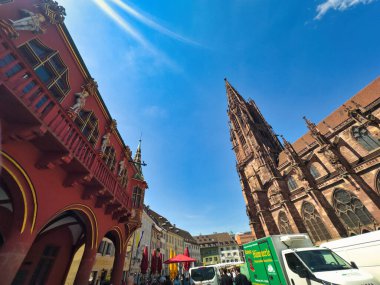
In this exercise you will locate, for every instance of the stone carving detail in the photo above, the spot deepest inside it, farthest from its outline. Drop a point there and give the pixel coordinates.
(334, 160)
(91, 86)
(113, 126)
(275, 196)
(53, 11)
(358, 114)
(127, 152)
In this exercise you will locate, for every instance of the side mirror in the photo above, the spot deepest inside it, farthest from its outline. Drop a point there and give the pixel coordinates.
(302, 272)
(353, 264)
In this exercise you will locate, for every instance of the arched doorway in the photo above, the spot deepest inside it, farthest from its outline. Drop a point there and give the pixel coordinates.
(51, 253)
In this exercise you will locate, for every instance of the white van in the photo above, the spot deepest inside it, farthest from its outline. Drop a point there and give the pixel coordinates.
(363, 250)
(207, 275)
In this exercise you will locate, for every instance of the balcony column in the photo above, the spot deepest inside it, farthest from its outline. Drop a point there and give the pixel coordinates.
(85, 266)
(118, 265)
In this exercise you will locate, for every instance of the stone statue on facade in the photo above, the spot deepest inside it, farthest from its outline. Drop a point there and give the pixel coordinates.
(121, 167)
(105, 142)
(80, 102)
(334, 160)
(30, 22)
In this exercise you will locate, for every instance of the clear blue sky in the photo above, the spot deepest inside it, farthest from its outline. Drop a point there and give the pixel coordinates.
(160, 67)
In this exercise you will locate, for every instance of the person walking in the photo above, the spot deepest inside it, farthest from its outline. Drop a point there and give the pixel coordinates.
(225, 280)
(240, 279)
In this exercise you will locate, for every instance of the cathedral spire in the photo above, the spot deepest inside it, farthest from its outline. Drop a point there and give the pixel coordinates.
(251, 135)
(233, 96)
(321, 139)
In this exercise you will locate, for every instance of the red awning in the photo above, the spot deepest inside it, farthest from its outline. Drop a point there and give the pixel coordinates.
(180, 258)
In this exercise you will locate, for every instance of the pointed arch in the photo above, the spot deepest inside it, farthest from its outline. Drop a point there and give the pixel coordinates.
(314, 170)
(292, 184)
(365, 138)
(284, 224)
(351, 210)
(314, 224)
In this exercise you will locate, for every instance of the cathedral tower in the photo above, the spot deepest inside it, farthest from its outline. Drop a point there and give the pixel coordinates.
(257, 150)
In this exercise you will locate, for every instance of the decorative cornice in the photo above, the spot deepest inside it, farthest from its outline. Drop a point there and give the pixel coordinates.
(53, 11)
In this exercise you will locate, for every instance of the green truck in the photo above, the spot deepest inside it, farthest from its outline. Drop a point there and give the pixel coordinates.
(293, 260)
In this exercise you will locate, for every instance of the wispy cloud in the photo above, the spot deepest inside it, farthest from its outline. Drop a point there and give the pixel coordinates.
(155, 112)
(339, 5)
(122, 23)
(135, 34)
(146, 19)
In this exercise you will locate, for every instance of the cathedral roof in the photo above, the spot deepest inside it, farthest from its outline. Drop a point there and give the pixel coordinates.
(364, 97)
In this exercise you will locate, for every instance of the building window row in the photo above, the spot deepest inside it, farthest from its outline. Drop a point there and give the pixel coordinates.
(49, 67)
(53, 73)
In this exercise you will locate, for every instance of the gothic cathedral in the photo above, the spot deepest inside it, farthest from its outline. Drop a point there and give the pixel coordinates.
(327, 183)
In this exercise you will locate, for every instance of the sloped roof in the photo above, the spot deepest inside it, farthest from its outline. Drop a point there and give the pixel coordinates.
(364, 97)
(216, 238)
(165, 224)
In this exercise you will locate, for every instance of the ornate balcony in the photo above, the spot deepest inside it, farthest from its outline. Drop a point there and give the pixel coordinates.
(28, 111)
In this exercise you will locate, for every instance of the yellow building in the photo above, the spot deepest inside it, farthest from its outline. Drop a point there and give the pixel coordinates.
(103, 264)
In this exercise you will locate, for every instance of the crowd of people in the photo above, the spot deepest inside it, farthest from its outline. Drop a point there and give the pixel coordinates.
(161, 280)
(233, 277)
(228, 277)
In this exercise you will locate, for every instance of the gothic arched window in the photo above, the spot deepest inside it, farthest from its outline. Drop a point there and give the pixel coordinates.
(109, 157)
(351, 210)
(364, 138)
(136, 197)
(88, 124)
(48, 66)
(314, 171)
(292, 184)
(314, 223)
(283, 224)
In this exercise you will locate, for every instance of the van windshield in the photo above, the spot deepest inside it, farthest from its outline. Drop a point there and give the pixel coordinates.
(203, 273)
(323, 260)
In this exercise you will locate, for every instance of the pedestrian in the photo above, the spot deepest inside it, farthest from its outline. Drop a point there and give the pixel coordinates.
(176, 281)
(240, 279)
(225, 279)
(162, 280)
(187, 281)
